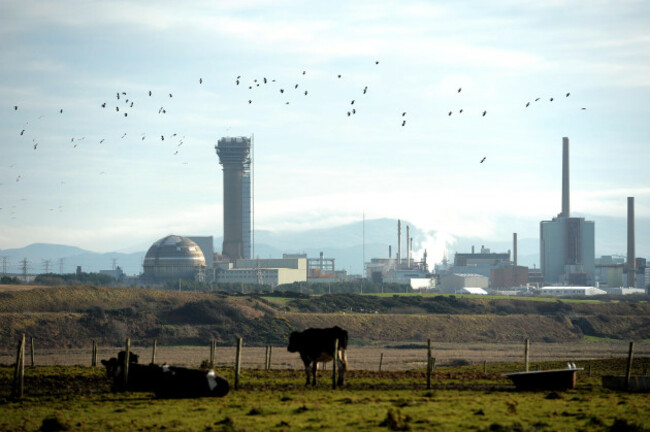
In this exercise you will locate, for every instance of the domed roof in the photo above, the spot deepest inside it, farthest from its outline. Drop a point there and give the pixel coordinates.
(174, 250)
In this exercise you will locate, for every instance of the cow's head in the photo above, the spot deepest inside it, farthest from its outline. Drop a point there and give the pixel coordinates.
(294, 342)
(115, 366)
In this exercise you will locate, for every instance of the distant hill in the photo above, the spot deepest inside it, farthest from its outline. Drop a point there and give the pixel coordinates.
(344, 243)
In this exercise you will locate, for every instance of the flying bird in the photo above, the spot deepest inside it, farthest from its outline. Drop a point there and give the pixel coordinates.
(22, 132)
(450, 112)
(403, 122)
(352, 103)
(461, 111)
(567, 95)
(15, 107)
(304, 72)
(339, 75)
(162, 137)
(376, 62)
(117, 109)
(250, 101)
(125, 114)
(149, 92)
(537, 99)
(200, 80)
(484, 112)
(101, 141)
(365, 89)
(404, 113)
(61, 111)
(459, 89)
(104, 105)
(296, 86)
(354, 111)
(281, 90)
(170, 95)
(483, 160)
(305, 92)
(264, 80)
(527, 104)
(583, 108)
(35, 145)
(237, 82)
(349, 113)
(551, 99)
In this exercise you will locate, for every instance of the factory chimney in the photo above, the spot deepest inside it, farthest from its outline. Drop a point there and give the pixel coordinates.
(399, 241)
(565, 178)
(514, 248)
(408, 248)
(631, 259)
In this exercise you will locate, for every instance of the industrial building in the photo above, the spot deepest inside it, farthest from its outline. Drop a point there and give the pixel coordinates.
(269, 271)
(395, 270)
(455, 283)
(172, 258)
(567, 244)
(234, 156)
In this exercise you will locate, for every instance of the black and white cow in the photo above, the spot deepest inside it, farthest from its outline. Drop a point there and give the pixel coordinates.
(317, 345)
(165, 381)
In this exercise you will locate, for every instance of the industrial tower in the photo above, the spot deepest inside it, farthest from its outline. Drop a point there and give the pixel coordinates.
(234, 156)
(567, 243)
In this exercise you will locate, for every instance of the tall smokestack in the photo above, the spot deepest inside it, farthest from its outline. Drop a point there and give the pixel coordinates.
(514, 248)
(390, 251)
(399, 241)
(565, 178)
(631, 259)
(408, 249)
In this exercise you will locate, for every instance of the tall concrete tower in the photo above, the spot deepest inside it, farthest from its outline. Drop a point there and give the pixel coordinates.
(631, 258)
(234, 157)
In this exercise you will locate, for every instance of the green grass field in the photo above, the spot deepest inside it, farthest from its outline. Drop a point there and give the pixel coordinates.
(462, 398)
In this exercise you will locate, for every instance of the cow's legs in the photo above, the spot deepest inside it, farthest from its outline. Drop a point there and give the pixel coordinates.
(307, 372)
(313, 369)
(343, 366)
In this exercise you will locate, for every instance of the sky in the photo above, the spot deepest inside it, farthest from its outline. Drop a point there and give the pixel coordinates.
(74, 172)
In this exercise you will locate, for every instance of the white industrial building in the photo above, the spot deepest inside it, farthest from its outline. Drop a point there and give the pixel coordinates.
(571, 291)
(455, 283)
(269, 271)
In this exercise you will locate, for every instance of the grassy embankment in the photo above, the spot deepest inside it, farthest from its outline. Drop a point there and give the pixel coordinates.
(74, 316)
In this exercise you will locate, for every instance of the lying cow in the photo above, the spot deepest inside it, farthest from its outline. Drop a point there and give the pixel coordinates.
(165, 381)
(317, 345)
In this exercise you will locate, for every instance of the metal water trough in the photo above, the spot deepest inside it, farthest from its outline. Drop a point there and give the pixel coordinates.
(555, 379)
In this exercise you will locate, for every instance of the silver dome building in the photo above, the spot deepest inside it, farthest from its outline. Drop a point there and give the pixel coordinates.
(172, 258)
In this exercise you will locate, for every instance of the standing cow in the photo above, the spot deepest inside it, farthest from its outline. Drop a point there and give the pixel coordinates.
(317, 345)
(165, 381)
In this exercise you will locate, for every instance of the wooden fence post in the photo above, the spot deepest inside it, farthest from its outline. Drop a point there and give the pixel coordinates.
(153, 351)
(266, 358)
(335, 360)
(589, 368)
(270, 354)
(485, 366)
(213, 348)
(526, 348)
(19, 373)
(429, 367)
(93, 356)
(628, 372)
(127, 354)
(238, 363)
(381, 360)
(32, 350)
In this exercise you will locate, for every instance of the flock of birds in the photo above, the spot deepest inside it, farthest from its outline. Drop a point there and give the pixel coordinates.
(125, 103)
